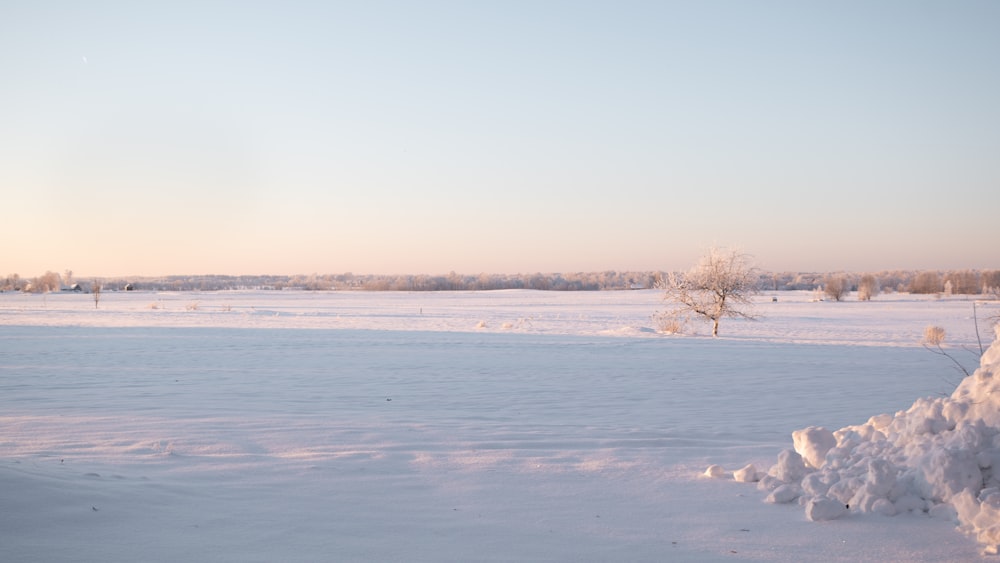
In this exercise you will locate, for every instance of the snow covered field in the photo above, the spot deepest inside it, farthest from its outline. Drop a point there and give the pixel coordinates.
(472, 426)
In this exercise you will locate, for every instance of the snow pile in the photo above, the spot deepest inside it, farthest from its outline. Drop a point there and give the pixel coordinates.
(941, 456)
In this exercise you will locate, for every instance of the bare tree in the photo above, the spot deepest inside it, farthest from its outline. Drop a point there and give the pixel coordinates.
(990, 280)
(964, 282)
(12, 282)
(49, 281)
(868, 287)
(836, 287)
(927, 282)
(720, 285)
(95, 289)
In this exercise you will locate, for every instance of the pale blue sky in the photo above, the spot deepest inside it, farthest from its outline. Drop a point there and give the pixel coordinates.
(425, 137)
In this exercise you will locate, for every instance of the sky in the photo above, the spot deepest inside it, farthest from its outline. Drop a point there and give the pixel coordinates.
(503, 137)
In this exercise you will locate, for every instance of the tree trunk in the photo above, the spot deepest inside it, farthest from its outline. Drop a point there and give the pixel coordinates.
(715, 328)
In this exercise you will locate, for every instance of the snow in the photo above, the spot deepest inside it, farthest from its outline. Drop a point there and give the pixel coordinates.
(485, 426)
(940, 455)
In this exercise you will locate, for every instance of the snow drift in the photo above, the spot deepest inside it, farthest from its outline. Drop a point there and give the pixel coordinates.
(941, 456)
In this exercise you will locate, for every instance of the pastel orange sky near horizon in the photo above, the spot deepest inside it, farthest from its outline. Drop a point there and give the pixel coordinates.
(404, 137)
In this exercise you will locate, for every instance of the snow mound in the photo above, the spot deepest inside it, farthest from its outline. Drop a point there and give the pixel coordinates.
(941, 456)
(628, 331)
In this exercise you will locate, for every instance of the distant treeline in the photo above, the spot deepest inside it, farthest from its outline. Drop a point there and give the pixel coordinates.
(594, 281)
(966, 282)
(963, 282)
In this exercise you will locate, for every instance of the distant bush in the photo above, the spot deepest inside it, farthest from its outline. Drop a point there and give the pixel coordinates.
(927, 282)
(868, 287)
(11, 283)
(45, 283)
(836, 287)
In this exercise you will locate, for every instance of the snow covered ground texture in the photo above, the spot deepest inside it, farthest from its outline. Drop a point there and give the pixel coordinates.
(492, 426)
(940, 455)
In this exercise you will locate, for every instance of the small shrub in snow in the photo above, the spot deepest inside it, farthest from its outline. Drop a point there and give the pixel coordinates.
(933, 338)
(670, 322)
(933, 335)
